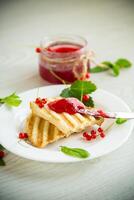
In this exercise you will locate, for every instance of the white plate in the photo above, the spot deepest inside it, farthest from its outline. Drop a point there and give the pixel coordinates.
(11, 123)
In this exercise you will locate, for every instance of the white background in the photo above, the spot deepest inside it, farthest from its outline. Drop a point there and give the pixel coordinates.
(109, 28)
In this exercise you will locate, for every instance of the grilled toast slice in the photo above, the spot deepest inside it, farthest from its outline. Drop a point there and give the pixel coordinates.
(65, 122)
(41, 132)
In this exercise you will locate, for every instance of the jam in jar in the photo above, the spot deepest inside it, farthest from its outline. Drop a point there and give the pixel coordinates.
(60, 58)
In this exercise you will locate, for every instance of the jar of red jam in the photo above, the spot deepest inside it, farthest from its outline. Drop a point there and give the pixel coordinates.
(61, 58)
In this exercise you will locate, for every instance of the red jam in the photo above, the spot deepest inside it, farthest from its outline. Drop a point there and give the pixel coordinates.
(63, 48)
(59, 57)
(69, 105)
(102, 114)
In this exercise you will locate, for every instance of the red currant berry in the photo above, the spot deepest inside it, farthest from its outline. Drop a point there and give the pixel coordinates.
(102, 135)
(43, 101)
(100, 130)
(37, 101)
(38, 50)
(89, 137)
(23, 135)
(85, 134)
(85, 97)
(41, 105)
(93, 132)
(87, 75)
(2, 154)
(93, 136)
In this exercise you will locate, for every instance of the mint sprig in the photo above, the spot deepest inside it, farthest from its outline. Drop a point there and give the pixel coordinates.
(66, 93)
(120, 121)
(11, 100)
(115, 67)
(99, 69)
(75, 152)
(78, 89)
(83, 87)
(116, 70)
(123, 63)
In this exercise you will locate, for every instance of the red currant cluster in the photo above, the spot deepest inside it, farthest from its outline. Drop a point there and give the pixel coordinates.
(40, 102)
(23, 136)
(93, 134)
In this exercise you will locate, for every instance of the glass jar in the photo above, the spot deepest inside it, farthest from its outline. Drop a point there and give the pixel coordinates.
(60, 58)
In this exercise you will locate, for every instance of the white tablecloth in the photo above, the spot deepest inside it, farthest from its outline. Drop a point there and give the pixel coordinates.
(109, 28)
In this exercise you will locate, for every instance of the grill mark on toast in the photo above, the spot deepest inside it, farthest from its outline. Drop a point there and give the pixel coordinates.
(77, 119)
(45, 134)
(51, 133)
(35, 131)
(30, 126)
(80, 117)
(40, 131)
(52, 113)
(67, 121)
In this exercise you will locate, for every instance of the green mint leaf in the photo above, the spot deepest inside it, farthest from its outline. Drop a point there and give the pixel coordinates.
(65, 93)
(11, 100)
(116, 70)
(104, 66)
(107, 64)
(2, 162)
(78, 89)
(123, 63)
(1, 147)
(98, 69)
(113, 67)
(120, 120)
(89, 103)
(83, 87)
(75, 152)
